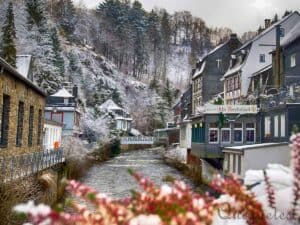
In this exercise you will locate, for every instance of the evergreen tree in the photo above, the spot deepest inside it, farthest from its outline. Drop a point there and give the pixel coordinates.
(168, 94)
(9, 34)
(35, 9)
(65, 13)
(58, 60)
(275, 19)
(115, 96)
(166, 37)
(286, 13)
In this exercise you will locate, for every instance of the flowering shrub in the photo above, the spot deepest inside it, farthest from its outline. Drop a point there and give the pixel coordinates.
(175, 204)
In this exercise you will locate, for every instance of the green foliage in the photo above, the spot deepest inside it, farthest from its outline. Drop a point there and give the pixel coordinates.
(169, 94)
(115, 96)
(115, 147)
(35, 9)
(58, 59)
(9, 51)
(65, 13)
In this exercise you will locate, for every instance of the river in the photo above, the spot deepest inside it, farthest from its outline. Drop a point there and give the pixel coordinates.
(112, 177)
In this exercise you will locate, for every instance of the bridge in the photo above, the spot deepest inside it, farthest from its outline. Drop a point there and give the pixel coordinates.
(139, 140)
(20, 166)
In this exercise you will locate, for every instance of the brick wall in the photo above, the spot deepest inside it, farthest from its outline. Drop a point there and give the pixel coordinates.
(19, 91)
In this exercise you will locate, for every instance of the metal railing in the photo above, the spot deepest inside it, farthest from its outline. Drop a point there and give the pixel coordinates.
(15, 167)
(140, 140)
(282, 98)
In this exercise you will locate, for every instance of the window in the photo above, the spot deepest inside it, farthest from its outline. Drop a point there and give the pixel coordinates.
(282, 125)
(262, 58)
(276, 126)
(213, 133)
(57, 117)
(30, 128)
(219, 63)
(20, 124)
(282, 32)
(293, 60)
(5, 120)
(238, 133)
(250, 132)
(236, 82)
(226, 133)
(39, 131)
(267, 126)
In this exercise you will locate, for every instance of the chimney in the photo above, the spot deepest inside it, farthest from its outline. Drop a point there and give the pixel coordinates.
(75, 91)
(233, 36)
(267, 23)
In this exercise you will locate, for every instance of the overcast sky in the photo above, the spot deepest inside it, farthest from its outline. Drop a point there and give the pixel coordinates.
(239, 15)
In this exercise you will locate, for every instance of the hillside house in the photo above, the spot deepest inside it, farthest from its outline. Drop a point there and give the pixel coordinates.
(52, 134)
(122, 119)
(252, 57)
(62, 107)
(22, 113)
(209, 70)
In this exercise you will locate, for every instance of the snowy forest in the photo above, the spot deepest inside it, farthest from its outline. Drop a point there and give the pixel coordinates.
(117, 50)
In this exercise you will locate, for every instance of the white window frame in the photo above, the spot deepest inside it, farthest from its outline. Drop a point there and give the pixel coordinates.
(237, 129)
(267, 128)
(226, 129)
(218, 134)
(276, 126)
(254, 136)
(282, 125)
(293, 62)
(219, 63)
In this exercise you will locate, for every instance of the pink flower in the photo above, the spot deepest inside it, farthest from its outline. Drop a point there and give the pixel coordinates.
(146, 220)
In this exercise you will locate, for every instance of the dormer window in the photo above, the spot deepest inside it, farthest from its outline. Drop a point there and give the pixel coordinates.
(262, 58)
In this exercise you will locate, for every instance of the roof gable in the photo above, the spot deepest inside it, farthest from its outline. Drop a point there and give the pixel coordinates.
(63, 93)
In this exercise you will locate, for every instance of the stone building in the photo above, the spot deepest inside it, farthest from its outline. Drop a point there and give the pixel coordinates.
(22, 113)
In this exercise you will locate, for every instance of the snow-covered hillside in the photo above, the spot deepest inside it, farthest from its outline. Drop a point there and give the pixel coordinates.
(97, 78)
(179, 68)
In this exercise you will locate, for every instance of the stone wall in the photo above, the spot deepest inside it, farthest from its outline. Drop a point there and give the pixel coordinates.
(19, 91)
(44, 187)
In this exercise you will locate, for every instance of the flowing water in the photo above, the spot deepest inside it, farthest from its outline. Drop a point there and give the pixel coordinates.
(112, 177)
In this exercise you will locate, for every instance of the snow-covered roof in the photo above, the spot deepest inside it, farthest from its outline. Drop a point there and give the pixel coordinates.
(199, 72)
(23, 64)
(63, 93)
(291, 36)
(110, 105)
(248, 147)
(233, 70)
(135, 132)
(268, 67)
(266, 31)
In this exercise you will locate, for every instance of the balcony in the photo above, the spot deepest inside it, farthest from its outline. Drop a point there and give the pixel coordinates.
(280, 99)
